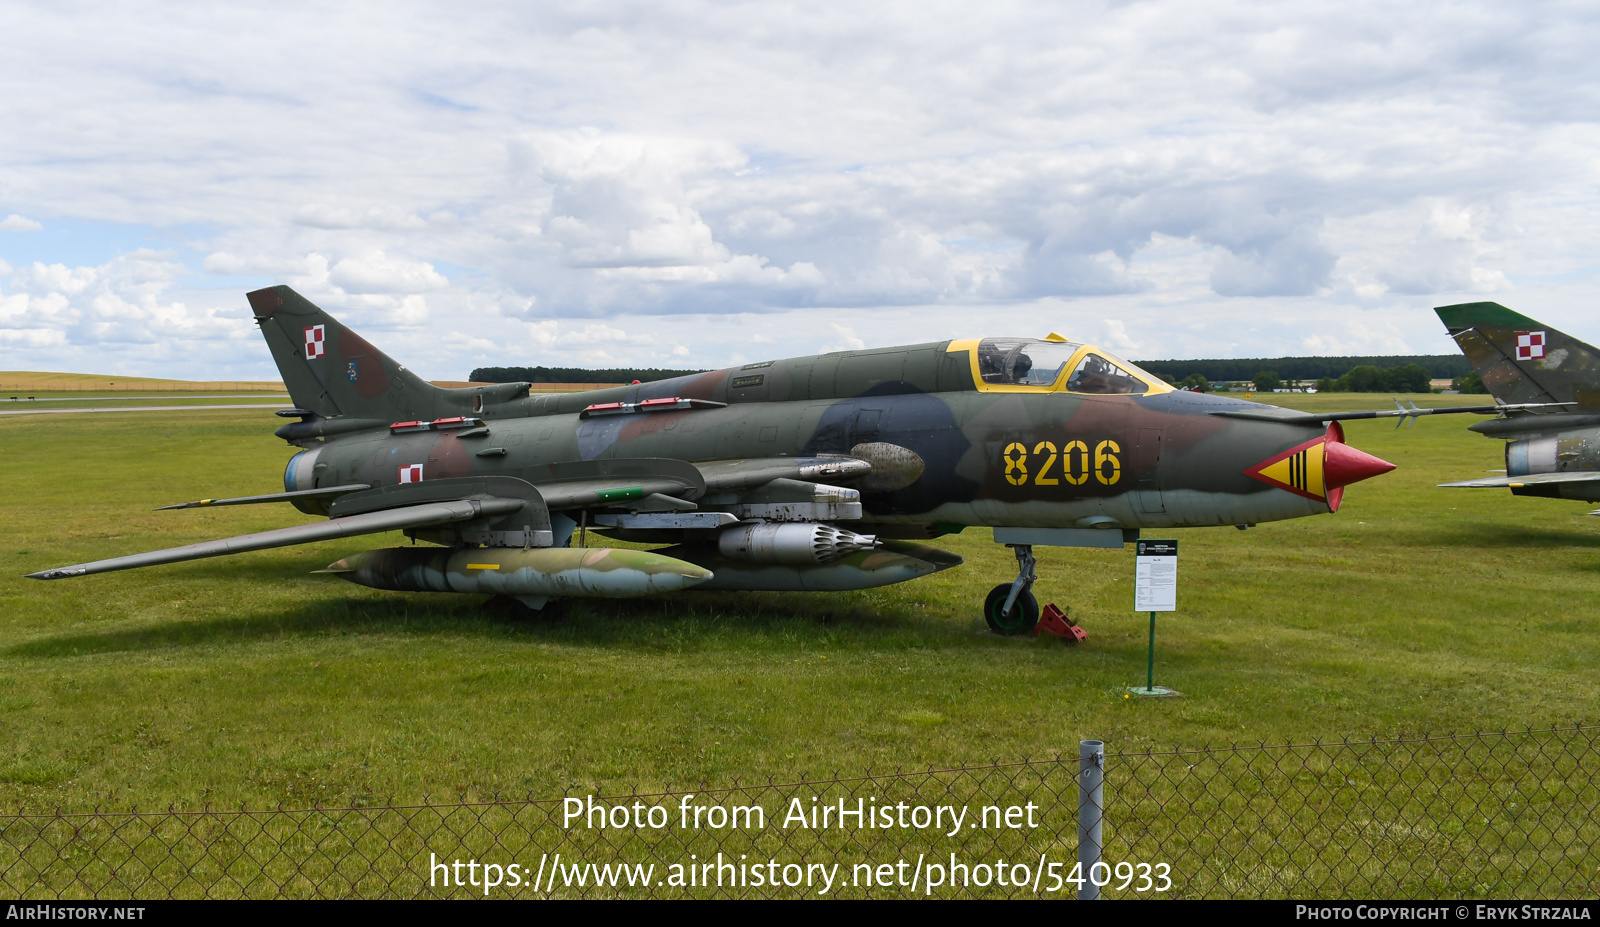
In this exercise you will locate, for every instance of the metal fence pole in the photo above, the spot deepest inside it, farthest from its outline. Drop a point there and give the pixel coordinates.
(1091, 804)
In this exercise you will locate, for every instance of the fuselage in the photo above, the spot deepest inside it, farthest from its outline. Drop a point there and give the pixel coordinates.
(1563, 442)
(955, 440)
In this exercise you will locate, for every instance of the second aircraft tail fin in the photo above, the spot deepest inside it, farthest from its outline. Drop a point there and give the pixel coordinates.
(1521, 360)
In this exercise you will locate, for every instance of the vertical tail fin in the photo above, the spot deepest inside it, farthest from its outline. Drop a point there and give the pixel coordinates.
(334, 372)
(1521, 360)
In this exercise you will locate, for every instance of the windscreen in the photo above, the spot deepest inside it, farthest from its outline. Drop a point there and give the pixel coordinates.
(1023, 361)
(1097, 374)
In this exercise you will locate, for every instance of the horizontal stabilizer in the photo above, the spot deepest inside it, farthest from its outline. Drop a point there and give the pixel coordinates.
(268, 497)
(1532, 479)
(415, 516)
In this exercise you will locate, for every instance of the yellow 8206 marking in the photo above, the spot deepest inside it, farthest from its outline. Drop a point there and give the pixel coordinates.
(1075, 463)
(1107, 468)
(1049, 452)
(1075, 474)
(1016, 467)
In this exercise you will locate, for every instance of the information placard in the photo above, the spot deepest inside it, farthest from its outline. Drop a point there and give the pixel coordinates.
(1155, 576)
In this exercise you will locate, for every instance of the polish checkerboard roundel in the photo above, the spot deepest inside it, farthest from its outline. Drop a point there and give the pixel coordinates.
(411, 473)
(1530, 345)
(315, 346)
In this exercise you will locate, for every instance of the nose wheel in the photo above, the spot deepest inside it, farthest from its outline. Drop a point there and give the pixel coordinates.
(1010, 608)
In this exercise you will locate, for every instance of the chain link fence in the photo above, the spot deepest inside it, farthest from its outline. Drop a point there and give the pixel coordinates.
(1482, 815)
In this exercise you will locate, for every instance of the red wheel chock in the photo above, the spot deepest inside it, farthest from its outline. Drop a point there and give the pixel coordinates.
(1053, 621)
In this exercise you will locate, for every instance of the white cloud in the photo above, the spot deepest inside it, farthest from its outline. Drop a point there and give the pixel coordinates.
(1217, 178)
(846, 339)
(384, 216)
(1116, 336)
(83, 317)
(223, 262)
(621, 201)
(34, 339)
(376, 272)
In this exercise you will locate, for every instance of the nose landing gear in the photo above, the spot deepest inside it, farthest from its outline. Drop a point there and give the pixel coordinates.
(1010, 608)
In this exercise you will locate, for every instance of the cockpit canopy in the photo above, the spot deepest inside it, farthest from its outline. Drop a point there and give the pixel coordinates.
(1024, 362)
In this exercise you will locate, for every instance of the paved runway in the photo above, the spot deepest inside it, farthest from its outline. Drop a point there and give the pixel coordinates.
(270, 405)
(144, 398)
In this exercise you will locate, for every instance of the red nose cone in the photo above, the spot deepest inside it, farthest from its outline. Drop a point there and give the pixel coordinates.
(1344, 465)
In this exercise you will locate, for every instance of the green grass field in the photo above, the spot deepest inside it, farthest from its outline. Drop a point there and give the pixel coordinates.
(246, 679)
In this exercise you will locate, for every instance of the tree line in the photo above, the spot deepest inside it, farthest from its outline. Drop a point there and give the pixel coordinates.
(1362, 378)
(1438, 366)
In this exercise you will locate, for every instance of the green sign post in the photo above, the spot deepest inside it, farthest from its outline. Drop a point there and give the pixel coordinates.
(1155, 589)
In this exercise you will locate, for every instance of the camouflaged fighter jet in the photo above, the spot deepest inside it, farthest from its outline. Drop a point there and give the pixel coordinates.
(1548, 385)
(824, 472)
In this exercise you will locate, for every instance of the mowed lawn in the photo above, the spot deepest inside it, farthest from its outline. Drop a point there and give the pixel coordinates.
(247, 679)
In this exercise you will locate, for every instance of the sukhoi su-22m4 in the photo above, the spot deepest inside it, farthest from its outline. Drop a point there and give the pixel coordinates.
(1548, 385)
(811, 473)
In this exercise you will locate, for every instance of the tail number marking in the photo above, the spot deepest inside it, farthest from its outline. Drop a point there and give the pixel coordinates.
(1049, 451)
(1107, 468)
(1017, 466)
(1073, 458)
(1076, 465)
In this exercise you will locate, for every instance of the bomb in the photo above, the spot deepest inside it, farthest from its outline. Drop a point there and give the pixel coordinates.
(551, 572)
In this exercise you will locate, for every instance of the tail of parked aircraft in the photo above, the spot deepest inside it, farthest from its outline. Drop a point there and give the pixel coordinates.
(1521, 360)
(334, 372)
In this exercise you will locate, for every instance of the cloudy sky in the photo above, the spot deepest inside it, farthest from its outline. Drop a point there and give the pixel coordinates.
(694, 184)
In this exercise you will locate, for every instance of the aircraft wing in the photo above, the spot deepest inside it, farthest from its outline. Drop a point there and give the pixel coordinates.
(1532, 479)
(412, 516)
(269, 497)
(651, 484)
(1399, 412)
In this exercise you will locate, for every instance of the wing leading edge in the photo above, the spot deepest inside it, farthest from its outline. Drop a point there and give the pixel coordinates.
(414, 516)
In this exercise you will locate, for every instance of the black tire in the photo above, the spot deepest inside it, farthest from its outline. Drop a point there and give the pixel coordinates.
(1024, 615)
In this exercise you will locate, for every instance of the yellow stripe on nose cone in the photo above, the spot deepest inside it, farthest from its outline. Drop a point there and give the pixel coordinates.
(1300, 471)
(1320, 468)
(483, 566)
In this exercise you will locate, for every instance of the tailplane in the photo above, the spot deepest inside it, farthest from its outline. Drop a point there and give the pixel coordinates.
(334, 372)
(1521, 360)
